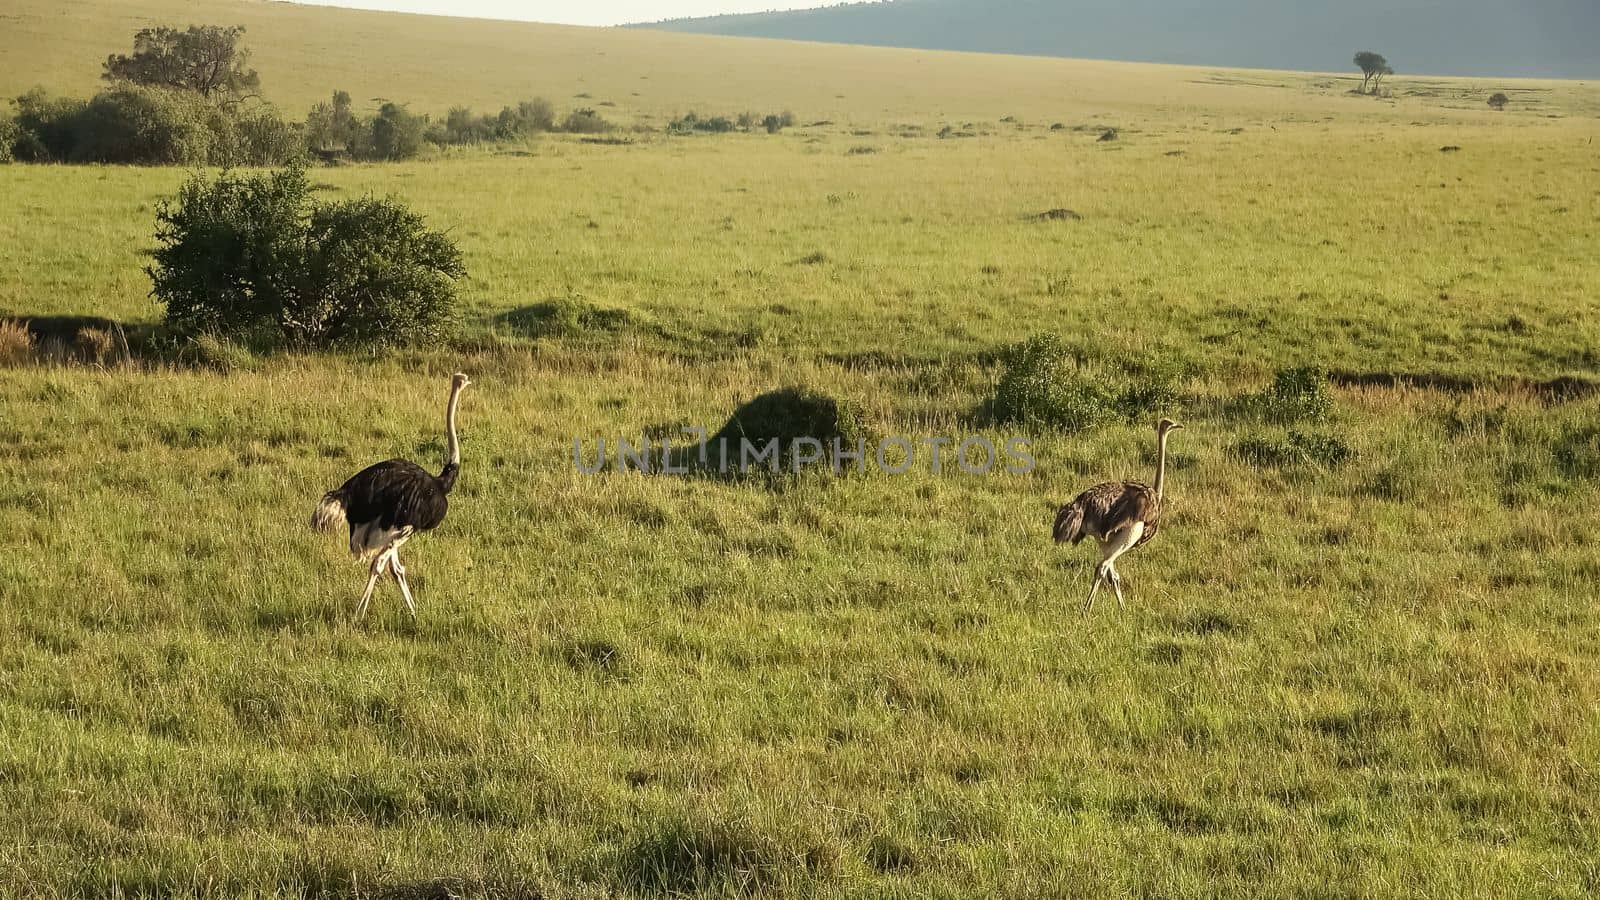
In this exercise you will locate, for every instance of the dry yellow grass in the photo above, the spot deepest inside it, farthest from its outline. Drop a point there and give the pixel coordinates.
(16, 344)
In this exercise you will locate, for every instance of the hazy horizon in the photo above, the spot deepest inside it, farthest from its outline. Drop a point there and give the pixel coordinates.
(573, 12)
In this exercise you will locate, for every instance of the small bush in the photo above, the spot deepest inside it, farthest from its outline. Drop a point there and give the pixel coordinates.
(216, 353)
(1498, 100)
(567, 317)
(1296, 395)
(396, 134)
(1156, 388)
(333, 126)
(252, 259)
(533, 115)
(691, 122)
(788, 415)
(263, 138)
(585, 121)
(1045, 386)
(1294, 448)
(1577, 452)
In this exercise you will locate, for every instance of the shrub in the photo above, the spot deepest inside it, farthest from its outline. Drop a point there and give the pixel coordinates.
(49, 125)
(1044, 385)
(262, 138)
(333, 126)
(462, 127)
(251, 259)
(9, 132)
(148, 125)
(1297, 394)
(691, 122)
(133, 124)
(375, 275)
(396, 134)
(1293, 449)
(585, 121)
(535, 115)
(567, 317)
(1498, 100)
(788, 415)
(1577, 452)
(1041, 386)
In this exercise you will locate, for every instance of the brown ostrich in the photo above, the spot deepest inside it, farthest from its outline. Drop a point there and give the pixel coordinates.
(1120, 515)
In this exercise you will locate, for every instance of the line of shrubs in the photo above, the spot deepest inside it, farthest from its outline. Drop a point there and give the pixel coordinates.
(692, 122)
(139, 124)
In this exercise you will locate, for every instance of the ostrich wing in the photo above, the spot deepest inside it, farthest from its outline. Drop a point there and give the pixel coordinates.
(394, 493)
(1104, 508)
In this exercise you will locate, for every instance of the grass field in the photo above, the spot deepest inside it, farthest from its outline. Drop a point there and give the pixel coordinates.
(1368, 679)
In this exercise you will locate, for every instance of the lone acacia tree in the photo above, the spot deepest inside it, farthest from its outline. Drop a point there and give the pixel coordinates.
(1498, 100)
(1372, 65)
(206, 59)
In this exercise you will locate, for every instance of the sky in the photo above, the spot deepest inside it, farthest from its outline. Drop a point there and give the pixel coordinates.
(575, 12)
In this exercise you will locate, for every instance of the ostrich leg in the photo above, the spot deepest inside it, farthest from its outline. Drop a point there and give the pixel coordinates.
(405, 589)
(1099, 575)
(1115, 544)
(379, 563)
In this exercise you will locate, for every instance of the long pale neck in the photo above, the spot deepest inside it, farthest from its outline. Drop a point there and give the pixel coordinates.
(1161, 462)
(453, 450)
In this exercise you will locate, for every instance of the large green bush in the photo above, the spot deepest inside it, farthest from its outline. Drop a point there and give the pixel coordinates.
(254, 259)
(263, 138)
(396, 134)
(131, 124)
(48, 126)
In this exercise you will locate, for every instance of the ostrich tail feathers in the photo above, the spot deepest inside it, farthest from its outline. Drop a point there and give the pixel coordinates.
(329, 514)
(1069, 524)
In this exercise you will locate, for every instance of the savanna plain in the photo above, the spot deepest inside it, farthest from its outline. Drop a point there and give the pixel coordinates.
(1359, 660)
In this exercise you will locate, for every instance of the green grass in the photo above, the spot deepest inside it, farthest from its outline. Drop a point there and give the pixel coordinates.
(1358, 676)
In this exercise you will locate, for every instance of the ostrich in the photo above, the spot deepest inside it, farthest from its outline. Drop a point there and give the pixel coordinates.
(1121, 515)
(386, 503)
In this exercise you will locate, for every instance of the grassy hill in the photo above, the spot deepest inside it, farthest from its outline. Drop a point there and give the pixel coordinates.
(1548, 38)
(1358, 660)
(433, 63)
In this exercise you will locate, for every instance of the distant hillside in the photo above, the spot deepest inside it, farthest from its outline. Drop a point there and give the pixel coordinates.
(1533, 38)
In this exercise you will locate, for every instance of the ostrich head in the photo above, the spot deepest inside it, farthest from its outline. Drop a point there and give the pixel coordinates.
(459, 381)
(1166, 425)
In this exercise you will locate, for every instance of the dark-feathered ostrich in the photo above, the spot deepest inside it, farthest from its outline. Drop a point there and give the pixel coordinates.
(1120, 515)
(386, 503)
